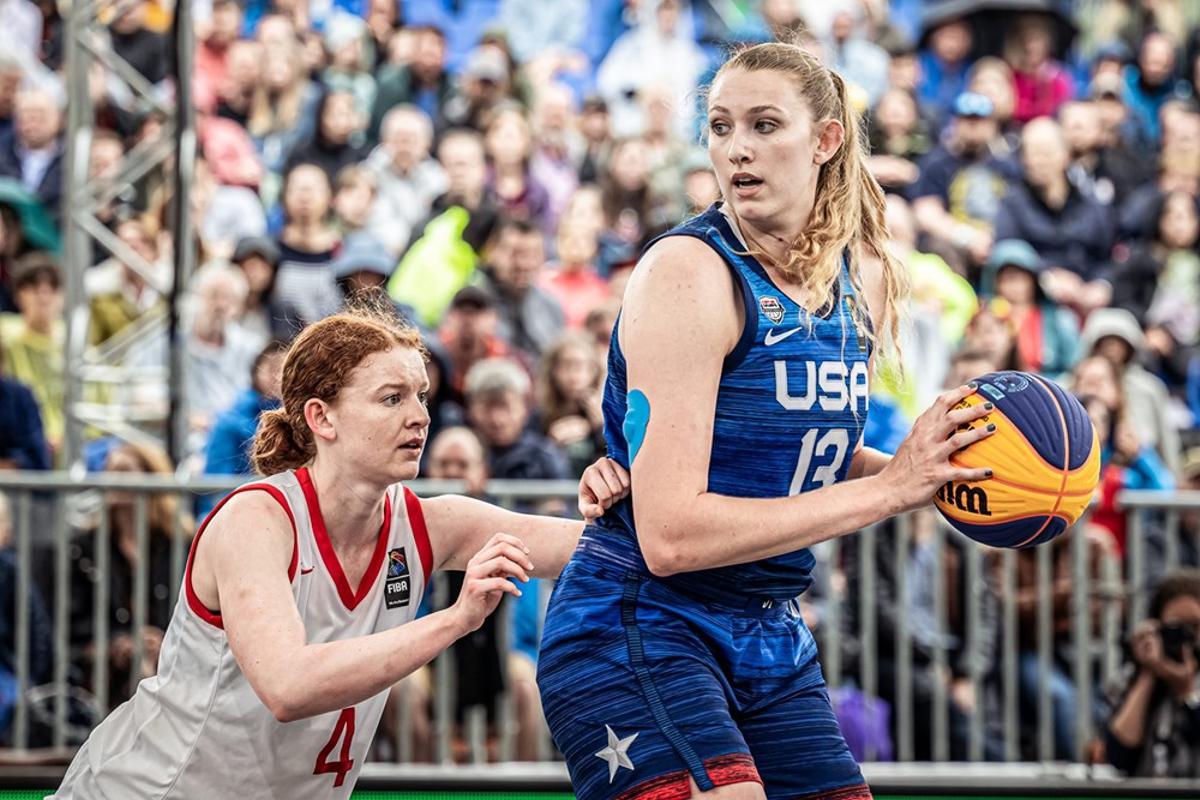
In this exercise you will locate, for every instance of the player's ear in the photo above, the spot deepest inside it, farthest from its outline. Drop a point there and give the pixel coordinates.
(317, 415)
(830, 136)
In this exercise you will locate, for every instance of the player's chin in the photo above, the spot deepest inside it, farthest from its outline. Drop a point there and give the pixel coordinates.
(406, 464)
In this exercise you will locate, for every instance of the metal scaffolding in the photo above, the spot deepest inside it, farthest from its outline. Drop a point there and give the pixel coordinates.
(86, 44)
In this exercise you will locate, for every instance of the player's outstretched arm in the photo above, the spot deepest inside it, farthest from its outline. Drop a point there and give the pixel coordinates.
(458, 526)
(674, 361)
(241, 568)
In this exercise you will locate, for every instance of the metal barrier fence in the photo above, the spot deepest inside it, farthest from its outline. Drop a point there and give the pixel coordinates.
(978, 654)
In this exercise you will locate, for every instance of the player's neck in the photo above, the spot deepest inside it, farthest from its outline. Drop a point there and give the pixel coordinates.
(352, 508)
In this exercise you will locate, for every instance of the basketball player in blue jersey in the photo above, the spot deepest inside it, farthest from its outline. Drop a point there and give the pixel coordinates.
(673, 661)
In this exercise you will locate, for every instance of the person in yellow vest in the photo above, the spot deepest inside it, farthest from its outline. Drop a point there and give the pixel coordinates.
(33, 340)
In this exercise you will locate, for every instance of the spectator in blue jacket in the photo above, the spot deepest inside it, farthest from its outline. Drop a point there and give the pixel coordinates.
(228, 449)
(40, 646)
(1151, 82)
(22, 440)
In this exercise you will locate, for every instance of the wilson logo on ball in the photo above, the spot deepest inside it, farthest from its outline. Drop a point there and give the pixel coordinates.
(972, 499)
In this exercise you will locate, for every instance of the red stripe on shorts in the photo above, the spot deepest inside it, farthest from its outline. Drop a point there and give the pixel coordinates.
(722, 771)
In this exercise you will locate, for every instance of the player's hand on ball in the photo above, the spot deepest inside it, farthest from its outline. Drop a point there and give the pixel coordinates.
(603, 484)
(922, 463)
(487, 578)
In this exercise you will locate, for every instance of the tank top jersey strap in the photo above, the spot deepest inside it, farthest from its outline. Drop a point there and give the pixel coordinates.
(402, 536)
(791, 406)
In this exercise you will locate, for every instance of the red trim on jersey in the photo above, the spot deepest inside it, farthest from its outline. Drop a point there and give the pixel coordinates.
(722, 771)
(350, 598)
(199, 609)
(416, 521)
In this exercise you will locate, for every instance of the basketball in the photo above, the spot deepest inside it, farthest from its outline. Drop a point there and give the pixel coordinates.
(1045, 463)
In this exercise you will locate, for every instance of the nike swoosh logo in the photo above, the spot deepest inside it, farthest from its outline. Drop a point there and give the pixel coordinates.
(773, 338)
(304, 571)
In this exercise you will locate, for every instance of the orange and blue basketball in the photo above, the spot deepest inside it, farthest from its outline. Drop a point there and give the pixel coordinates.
(1045, 463)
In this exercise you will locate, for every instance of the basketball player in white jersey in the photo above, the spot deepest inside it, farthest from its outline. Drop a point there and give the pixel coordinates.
(297, 610)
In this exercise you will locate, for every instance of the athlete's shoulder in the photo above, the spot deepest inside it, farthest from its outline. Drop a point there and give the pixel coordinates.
(261, 507)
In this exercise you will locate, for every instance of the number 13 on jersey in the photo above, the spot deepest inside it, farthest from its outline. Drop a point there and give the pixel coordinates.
(828, 452)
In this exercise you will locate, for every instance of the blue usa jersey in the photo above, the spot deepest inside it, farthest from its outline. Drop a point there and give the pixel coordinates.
(790, 410)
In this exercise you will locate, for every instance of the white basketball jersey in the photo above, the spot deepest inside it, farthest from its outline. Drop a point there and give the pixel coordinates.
(198, 730)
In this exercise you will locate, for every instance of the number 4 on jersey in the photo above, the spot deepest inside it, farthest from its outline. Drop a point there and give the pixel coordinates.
(343, 731)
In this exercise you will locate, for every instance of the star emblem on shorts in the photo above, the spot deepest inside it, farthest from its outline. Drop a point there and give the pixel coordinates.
(617, 753)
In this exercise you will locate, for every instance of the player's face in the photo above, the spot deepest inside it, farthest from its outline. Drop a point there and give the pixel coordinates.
(380, 417)
(764, 145)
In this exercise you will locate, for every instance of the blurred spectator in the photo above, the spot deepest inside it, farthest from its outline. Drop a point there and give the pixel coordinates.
(1155, 729)
(258, 259)
(572, 281)
(993, 78)
(660, 49)
(407, 178)
(898, 138)
(444, 256)
(854, 56)
(1130, 21)
(354, 196)
(534, 28)
(11, 76)
(530, 318)
(498, 396)
(227, 451)
(22, 442)
(122, 292)
(1159, 280)
(632, 210)
(942, 304)
(235, 92)
(1067, 228)
(215, 43)
(423, 82)
(33, 153)
(1151, 81)
(469, 334)
(568, 393)
(957, 196)
(557, 148)
(1047, 334)
(1115, 334)
(333, 145)
(1125, 464)
(700, 189)
(946, 44)
(163, 519)
(304, 284)
(348, 70)
(363, 264)
(1081, 127)
(597, 136)
(1120, 159)
(33, 344)
(106, 161)
(509, 147)
(486, 85)
(22, 21)
(283, 113)
(41, 646)
(145, 50)
(992, 333)
(1042, 84)
(222, 213)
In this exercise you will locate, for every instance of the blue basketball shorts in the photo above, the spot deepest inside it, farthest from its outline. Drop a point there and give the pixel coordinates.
(644, 687)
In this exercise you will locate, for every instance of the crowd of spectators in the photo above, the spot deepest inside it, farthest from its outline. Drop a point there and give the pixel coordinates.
(496, 167)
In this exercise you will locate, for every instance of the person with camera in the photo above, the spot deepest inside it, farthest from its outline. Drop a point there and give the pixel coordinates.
(1155, 731)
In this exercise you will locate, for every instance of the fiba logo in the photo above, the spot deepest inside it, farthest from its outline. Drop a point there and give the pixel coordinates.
(1011, 382)
(972, 499)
